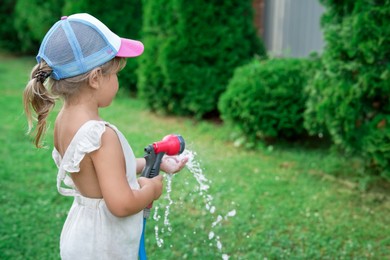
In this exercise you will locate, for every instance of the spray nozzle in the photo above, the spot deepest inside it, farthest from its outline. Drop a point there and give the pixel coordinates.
(170, 144)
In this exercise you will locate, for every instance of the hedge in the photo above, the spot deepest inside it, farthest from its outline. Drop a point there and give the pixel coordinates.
(150, 77)
(266, 99)
(8, 34)
(32, 19)
(192, 51)
(349, 97)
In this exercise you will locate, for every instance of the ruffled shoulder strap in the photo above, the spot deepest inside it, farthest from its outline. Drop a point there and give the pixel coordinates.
(86, 140)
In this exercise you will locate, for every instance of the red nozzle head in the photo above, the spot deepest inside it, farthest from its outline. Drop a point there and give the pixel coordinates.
(170, 144)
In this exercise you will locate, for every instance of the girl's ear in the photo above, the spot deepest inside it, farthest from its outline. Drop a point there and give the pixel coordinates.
(94, 78)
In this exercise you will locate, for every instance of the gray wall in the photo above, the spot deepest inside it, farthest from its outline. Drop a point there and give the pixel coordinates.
(292, 27)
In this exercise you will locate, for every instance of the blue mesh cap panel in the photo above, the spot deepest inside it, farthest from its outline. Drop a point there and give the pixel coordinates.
(89, 39)
(58, 49)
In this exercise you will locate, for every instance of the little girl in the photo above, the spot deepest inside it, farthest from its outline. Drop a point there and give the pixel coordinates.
(78, 61)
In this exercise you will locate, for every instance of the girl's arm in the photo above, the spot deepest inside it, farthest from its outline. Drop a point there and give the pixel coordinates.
(109, 163)
(140, 165)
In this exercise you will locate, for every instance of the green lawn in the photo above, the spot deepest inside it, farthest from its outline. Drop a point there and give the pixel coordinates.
(287, 204)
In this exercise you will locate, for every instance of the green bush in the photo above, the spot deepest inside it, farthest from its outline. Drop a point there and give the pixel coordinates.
(32, 19)
(150, 77)
(122, 17)
(191, 52)
(265, 99)
(8, 35)
(349, 97)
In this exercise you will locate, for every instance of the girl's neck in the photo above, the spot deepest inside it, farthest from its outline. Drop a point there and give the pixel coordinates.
(80, 111)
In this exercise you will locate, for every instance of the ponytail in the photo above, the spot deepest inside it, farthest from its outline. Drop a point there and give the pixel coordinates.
(37, 99)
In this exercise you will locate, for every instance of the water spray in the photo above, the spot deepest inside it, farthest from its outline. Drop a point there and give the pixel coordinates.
(170, 145)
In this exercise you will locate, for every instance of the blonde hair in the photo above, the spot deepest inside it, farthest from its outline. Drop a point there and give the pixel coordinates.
(39, 98)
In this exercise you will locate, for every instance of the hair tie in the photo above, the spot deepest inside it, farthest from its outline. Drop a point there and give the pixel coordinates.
(42, 75)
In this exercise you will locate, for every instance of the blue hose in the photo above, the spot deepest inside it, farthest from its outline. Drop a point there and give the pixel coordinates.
(142, 251)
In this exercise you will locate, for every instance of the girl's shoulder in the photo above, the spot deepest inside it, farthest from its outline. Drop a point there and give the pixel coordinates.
(67, 133)
(87, 138)
(90, 130)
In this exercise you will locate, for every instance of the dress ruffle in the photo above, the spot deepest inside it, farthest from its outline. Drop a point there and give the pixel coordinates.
(87, 140)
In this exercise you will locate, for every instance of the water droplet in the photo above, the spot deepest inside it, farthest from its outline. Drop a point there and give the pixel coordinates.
(231, 213)
(225, 257)
(219, 219)
(159, 241)
(219, 244)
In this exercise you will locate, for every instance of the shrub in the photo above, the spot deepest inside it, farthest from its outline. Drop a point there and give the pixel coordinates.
(350, 95)
(124, 18)
(265, 99)
(153, 34)
(191, 52)
(32, 19)
(8, 35)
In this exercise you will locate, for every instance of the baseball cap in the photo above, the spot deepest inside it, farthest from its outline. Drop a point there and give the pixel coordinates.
(79, 43)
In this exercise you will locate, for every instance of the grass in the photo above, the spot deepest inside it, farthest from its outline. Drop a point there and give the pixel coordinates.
(287, 204)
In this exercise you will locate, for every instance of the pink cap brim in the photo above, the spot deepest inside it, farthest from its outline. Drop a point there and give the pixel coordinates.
(130, 48)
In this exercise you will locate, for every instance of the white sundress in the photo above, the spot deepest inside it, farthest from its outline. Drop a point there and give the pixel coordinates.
(91, 231)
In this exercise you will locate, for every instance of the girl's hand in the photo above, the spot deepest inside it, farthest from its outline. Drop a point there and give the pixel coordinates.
(173, 164)
(155, 183)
